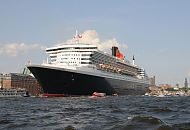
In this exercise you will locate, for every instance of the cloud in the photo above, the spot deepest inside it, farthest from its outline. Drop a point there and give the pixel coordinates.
(107, 45)
(89, 36)
(16, 49)
(92, 37)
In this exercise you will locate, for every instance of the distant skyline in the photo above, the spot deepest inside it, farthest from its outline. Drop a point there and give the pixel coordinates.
(156, 32)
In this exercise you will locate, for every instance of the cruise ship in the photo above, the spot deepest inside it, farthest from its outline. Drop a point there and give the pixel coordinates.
(81, 69)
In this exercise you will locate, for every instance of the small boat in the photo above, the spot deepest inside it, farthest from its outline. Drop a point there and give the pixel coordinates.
(97, 94)
(13, 93)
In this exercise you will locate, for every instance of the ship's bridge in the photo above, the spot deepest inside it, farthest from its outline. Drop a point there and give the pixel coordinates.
(71, 54)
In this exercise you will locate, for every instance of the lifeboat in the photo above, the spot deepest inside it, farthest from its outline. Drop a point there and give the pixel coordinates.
(96, 94)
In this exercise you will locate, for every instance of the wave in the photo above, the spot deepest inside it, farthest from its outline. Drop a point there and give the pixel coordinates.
(182, 126)
(147, 119)
(143, 122)
(69, 127)
(164, 109)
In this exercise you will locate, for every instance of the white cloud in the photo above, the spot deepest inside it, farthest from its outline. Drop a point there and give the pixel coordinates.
(89, 36)
(107, 45)
(92, 37)
(16, 49)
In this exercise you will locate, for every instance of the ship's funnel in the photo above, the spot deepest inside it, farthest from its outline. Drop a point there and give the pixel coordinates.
(117, 53)
(114, 51)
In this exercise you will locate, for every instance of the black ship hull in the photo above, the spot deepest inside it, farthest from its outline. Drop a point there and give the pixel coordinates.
(62, 81)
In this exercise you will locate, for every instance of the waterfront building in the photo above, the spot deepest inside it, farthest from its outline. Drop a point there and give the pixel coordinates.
(165, 86)
(6, 81)
(21, 81)
(1, 81)
(152, 81)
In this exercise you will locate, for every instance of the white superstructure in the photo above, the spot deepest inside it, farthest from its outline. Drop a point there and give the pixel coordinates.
(71, 54)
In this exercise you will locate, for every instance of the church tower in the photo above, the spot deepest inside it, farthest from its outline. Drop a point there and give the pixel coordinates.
(186, 83)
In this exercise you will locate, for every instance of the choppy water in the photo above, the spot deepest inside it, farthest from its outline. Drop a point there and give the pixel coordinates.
(84, 113)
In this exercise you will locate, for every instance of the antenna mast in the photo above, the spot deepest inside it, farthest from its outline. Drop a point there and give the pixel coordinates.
(133, 60)
(76, 37)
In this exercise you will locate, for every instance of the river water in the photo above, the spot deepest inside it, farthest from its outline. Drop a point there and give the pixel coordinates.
(85, 113)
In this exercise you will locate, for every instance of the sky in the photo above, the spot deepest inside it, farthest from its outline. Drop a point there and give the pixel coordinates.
(156, 32)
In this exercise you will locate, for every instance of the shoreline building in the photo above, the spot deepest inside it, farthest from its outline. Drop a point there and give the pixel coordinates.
(1, 80)
(152, 81)
(20, 81)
